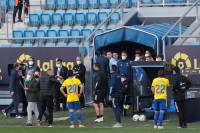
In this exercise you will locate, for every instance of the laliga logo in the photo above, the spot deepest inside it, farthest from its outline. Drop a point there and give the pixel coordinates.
(182, 61)
(23, 58)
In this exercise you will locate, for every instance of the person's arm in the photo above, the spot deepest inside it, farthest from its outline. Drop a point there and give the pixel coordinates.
(82, 71)
(81, 89)
(153, 87)
(62, 91)
(11, 82)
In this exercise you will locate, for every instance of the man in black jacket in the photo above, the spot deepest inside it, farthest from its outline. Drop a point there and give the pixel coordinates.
(79, 71)
(61, 73)
(116, 95)
(47, 89)
(99, 92)
(180, 86)
(18, 8)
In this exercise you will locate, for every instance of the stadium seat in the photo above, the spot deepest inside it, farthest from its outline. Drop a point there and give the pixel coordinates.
(57, 18)
(157, 1)
(99, 31)
(102, 16)
(72, 4)
(34, 19)
(91, 18)
(114, 3)
(104, 4)
(179, 1)
(40, 33)
(46, 18)
(50, 4)
(68, 19)
(63, 33)
(61, 4)
(82, 4)
(52, 33)
(75, 32)
(146, 2)
(29, 33)
(86, 32)
(18, 34)
(80, 18)
(114, 19)
(93, 4)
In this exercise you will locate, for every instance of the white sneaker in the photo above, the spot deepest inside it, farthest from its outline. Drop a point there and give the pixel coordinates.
(18, 117)
(117, 125)
(160, 127)
(4, 112)
(96, 120)
(50, 126)
(155, 126)
(101, 119)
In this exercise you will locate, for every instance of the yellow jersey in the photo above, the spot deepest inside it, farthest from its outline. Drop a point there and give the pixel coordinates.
(160, 86)
(71, 85)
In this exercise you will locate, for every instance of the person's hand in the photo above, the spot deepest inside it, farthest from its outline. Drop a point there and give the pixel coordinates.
(79, 95)
(26, 88)
(66, 95)
(11, 93)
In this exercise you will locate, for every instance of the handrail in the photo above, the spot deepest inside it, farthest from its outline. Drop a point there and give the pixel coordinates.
(108, 17)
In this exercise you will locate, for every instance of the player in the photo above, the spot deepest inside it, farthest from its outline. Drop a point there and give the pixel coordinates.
(159, 89)
(71, 85)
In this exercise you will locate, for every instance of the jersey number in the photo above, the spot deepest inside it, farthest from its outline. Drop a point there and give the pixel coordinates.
(72, 88)
(160, 89)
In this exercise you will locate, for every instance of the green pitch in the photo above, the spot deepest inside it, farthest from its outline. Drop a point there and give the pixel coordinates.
(12, 125)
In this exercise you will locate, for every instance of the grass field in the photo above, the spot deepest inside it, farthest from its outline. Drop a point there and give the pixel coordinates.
(12, 125)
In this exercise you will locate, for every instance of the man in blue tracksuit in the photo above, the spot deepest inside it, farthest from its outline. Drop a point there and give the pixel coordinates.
(116, 95)
(124, 65)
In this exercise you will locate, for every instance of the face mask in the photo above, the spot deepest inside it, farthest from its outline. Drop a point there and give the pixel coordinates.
(137, 58)
(30, 63)
(58, 65)
(28, 77)
(123, 57)
(78, 62)
(123, 79)
(158, 59)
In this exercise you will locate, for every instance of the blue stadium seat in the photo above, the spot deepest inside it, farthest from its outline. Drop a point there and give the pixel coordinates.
(92, 18)
(50, 4)
(146, 2)
(52, 33)
(86, 32)
(46, 18)
(104, 4)
(63, 33)
(157, 1)
(72, 4)
(102, 16)
(93, 4)
(179, 1)
(75, 32)
(99, 31)
(83, 4)
(34, 19)
(29, 33)
(18, 34)
(114, 19)
(57, 18)
(114, 3)
(68, 19)
(80, 18)
(61, 4)
(40, 33)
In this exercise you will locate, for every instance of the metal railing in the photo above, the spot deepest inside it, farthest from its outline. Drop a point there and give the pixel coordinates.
(195, 4)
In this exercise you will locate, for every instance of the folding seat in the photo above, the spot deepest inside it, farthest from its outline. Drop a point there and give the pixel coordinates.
(68, 19)
(86, 33)
(50, 4)
(93, 4)
(57, 18)
(61, 4)
(80, 18)
(29, 33)
(99, 31)
(46, 18)
(35, 19)
(75, 33)
(82, 4)
(52, 33)
(92, 18)
(157, 1)
(63, 33)
(146, 2)
(128, 4)
(114, 3)
(18, 34)
(104, 4)
(102, 16)
(114, 19)
(179, 1)
(72, 4)
(40, 33)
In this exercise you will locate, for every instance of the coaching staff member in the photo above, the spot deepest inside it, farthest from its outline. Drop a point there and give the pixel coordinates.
(180, 85)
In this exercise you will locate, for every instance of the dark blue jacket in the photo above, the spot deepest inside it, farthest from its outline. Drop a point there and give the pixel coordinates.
(14, 81)
(115, 85)
(104, 64)
(63, 72)
(124, 67)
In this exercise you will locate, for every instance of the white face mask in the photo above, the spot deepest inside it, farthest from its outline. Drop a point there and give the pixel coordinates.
(123, 79)
(30, 63)
(78, 62)
(158, 59)
(28, 77)
(137, 58)
(58, 65)
(123, 57)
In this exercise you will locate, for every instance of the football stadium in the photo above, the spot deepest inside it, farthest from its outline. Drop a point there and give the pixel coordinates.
(99, 66)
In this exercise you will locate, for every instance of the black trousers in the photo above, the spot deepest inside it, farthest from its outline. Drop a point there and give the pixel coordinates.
(19, 10)
(181, 113)
(47, 103)
(117, 104)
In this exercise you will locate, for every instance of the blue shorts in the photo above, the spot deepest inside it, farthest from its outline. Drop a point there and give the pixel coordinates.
(73, 105)
(160, 104)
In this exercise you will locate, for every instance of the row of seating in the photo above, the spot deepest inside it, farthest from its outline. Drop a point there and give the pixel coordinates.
(53, 32)
(161, 1)
(85, 4)
(61, 18)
